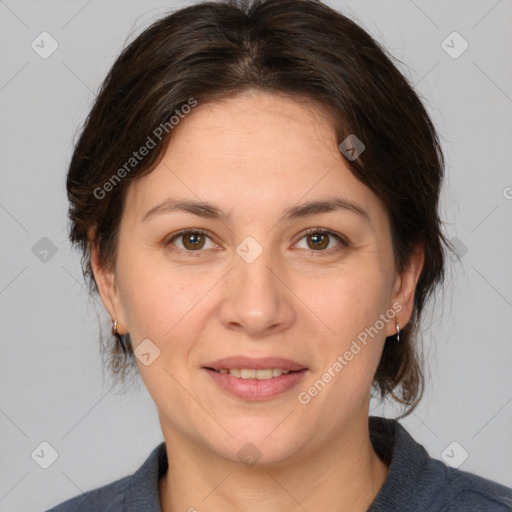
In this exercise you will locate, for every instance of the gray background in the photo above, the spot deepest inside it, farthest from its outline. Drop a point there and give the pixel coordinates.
(52, 388)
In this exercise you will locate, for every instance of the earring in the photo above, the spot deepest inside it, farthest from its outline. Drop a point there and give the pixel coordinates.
(397, 333)
(114, 327)
(120, 337)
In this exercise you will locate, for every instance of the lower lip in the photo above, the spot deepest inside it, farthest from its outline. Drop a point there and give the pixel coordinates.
(254, 389)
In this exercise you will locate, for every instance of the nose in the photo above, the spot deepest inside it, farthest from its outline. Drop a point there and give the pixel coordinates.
(256, 299)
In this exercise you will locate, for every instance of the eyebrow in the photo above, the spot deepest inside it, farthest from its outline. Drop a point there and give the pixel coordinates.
(209, 211)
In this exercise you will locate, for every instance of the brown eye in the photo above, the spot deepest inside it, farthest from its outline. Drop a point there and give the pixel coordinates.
(193, 241)
(322, 241)
(318, 240)
(190, 240)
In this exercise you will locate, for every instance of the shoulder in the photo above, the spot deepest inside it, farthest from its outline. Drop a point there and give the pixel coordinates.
(466, 491)
(108, 498)
(137, 492)
(457, 491)
(417, 481)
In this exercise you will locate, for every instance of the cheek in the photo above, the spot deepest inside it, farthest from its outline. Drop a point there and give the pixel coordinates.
(347, 299)
(167, 305)
(348, 303)
(162, 302)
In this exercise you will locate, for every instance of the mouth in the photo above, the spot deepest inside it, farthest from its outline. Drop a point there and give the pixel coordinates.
(251, 373)
(258, 385)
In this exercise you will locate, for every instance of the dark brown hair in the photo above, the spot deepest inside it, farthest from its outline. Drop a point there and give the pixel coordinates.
(304, 49)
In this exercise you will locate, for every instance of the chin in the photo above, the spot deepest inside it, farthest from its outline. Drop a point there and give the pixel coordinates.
(261, 444)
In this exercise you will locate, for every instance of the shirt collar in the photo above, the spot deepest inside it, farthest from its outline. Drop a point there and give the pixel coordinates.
(406, 459)
(391, 441)
(142, 493)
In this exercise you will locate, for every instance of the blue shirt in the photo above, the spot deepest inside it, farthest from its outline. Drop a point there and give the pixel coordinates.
(415, 482)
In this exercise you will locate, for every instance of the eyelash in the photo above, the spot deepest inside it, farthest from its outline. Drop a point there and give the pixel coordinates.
(341, 239)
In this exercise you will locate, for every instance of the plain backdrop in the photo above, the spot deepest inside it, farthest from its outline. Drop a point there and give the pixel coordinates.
(51, 384)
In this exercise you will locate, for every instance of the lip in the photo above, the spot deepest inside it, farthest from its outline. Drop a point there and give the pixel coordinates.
(255, 363)
(254, 389)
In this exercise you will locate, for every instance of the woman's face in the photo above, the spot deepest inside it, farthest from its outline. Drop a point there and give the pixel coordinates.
(253, 283)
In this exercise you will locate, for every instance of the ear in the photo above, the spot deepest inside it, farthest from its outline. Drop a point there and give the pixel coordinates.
(405, 287)
(109, 292)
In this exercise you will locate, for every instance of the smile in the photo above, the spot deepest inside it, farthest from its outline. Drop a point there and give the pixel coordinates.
(254, 385)
(250, 373)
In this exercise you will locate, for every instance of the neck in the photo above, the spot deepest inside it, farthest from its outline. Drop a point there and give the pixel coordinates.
(345, 474)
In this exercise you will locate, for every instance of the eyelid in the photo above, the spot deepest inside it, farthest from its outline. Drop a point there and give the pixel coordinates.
(343, 241)
(168, 240)
(341, 238)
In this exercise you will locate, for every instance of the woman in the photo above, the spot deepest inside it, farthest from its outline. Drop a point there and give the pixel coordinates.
(255, 193)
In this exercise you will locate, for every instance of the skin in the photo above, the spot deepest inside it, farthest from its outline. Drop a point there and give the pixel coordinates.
(254, 156)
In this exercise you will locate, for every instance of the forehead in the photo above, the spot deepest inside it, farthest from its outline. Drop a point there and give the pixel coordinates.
(254, 151)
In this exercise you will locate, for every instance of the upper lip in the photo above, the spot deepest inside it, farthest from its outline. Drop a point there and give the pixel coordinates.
(260, 363)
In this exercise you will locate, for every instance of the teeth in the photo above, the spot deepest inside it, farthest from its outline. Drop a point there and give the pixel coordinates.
(249, 373)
